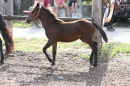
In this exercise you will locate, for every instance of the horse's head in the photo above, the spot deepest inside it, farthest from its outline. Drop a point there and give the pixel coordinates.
(33, 15)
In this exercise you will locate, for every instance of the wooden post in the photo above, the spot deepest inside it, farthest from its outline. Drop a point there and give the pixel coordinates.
(1, 6)
(10, 12)
(97, 18)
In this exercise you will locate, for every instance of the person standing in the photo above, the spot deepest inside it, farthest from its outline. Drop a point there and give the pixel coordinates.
(110, 6)
(73, 4)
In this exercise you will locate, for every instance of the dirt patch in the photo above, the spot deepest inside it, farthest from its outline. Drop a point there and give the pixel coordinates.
(32, 69)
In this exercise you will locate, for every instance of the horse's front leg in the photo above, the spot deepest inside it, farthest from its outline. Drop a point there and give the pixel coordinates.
(54, 49)
(1, 51)
(48, 44)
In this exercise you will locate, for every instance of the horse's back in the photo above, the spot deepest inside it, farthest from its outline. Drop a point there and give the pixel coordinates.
(86, 26)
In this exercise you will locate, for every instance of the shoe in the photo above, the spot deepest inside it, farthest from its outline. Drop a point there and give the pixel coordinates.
(76, 15)
(110, 28)
(73, 16)
(106, 25)
(40, 25)
(34, 26)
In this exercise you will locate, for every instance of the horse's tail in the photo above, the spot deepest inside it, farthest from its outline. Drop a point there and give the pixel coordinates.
(7, 36)
(102, 32)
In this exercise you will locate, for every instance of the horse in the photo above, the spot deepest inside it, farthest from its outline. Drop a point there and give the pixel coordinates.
(7, 36)
(58, 30)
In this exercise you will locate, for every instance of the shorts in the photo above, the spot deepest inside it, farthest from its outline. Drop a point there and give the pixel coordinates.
(72, 1)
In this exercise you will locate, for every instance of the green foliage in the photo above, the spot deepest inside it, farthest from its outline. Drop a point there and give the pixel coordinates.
(87, 2)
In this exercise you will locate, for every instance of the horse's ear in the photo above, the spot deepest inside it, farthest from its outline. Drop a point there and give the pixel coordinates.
(38, 5)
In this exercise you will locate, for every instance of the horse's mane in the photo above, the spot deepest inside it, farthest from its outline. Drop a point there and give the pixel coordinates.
(51, 13)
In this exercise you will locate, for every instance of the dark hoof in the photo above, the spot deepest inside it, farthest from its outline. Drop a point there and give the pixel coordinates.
(95, 65)
(53, 64)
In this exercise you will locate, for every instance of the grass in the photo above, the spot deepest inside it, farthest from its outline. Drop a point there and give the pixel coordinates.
(116, 49)
(21, 24)
(111, 50)
(36, 45)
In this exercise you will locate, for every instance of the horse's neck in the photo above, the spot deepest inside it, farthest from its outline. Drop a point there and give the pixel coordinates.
(45, 19)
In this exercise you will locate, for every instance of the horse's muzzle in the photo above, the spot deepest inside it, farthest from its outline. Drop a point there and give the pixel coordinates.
(28, 20)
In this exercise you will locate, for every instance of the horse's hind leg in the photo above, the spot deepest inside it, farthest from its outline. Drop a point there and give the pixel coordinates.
(95, 53)
(1, 52)
(93, 46)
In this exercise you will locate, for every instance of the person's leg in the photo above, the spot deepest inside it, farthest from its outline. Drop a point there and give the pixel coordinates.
(75, 8)
(40, 24)
(34, 25)
(72, 5)
(110, 27)
(67, 9)
(111, 23)
(56, 8)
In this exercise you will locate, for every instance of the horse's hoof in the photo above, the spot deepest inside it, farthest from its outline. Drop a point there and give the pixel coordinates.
(95, 65)
(52, 66)
(53, 63)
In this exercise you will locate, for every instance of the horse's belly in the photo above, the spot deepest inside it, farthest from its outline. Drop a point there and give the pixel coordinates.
(69, 38)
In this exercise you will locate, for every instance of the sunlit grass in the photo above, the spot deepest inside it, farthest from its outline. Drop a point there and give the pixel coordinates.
(36, 45)
(116, 49)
